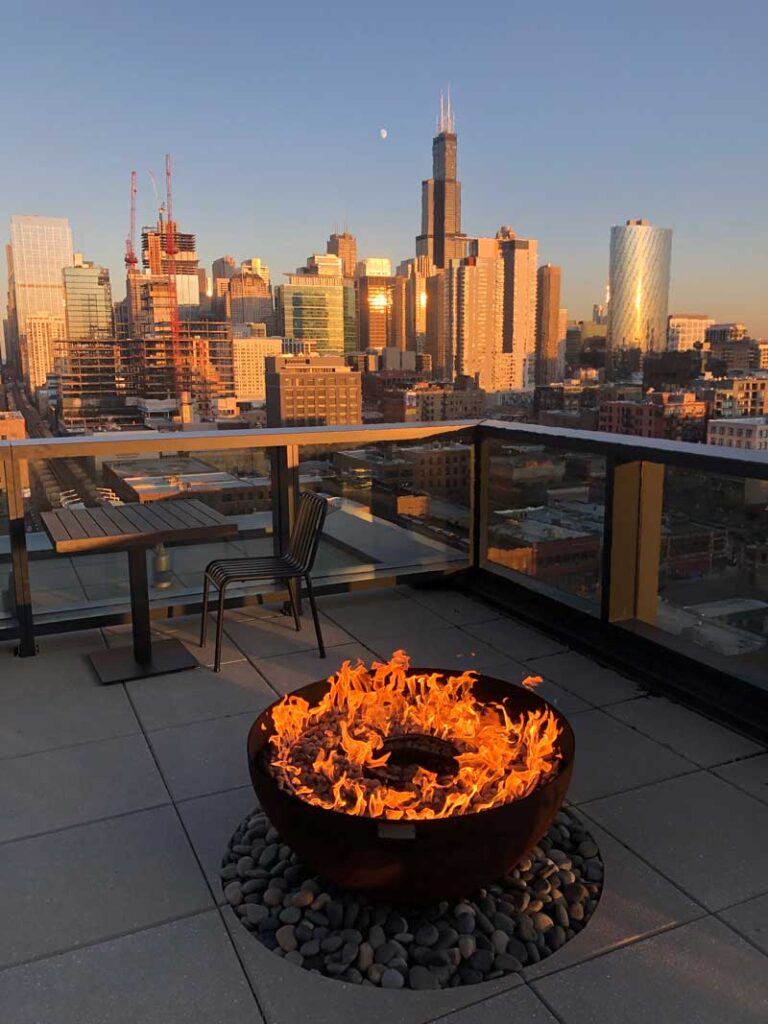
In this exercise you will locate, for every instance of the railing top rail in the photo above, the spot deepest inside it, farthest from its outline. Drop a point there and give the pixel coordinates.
(709, 458)
(138, 442)
(626, 447)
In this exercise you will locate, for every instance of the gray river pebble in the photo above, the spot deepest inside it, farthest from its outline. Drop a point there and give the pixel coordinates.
(523, 918)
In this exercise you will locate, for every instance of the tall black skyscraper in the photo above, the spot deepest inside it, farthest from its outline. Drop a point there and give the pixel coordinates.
(441, 239)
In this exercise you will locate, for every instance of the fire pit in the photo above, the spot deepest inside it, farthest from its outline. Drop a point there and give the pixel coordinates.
(411, 784)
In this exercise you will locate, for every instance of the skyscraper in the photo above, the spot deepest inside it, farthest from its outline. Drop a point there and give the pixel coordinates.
(344, 246)
(249, 296)
(224, 268)
(39, 249)
(415, 273)
(441, 239)
(639, 269)
(375, 322)
(475, 330)
(549, 358)
(155, 258)
(311, 305)
(520, 258)
(88, 297)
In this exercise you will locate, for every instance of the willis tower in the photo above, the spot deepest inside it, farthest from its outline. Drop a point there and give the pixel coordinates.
(441, 239)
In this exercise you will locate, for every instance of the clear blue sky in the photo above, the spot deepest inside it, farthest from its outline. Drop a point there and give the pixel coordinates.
(571, 117)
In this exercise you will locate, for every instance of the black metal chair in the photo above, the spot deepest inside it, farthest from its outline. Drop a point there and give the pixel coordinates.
(291, 568)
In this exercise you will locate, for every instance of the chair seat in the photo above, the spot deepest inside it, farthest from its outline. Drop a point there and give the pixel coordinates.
(232, 570)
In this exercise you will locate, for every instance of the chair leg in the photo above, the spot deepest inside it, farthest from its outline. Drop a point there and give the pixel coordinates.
(315, 616)
(204, 622)
(293, 590)
(219, 630)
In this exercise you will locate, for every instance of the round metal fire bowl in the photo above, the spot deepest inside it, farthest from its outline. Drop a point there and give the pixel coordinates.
(415, 861)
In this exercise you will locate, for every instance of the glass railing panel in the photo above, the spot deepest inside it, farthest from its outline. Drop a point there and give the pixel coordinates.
(544, 518)
(713, 570)
(7, 603)
(394, 506)
(234, 481)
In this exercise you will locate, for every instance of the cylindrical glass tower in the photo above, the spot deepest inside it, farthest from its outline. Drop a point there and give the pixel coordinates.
(639, 283)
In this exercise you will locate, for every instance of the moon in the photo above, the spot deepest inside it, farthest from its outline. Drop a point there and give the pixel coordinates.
(383, 133)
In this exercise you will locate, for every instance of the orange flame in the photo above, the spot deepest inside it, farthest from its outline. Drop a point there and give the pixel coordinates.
(332, 755)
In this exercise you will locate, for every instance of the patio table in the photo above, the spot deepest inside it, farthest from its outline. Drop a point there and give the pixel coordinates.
(135, 528)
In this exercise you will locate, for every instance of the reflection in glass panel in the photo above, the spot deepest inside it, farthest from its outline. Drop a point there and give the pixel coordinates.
(545, 516)
(713, 571)
(398, 505)
(235, 482)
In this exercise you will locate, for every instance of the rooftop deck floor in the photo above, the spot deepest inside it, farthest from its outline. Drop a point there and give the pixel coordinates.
(116, 805)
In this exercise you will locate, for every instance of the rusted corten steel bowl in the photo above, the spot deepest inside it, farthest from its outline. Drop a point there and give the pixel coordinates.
(415, 860)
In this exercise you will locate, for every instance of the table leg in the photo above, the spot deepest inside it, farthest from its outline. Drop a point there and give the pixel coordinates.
(142, 639)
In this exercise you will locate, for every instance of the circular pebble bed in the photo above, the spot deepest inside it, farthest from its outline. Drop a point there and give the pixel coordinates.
(523, 918)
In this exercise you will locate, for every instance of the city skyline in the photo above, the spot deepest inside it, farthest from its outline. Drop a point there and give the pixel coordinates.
(563, 166)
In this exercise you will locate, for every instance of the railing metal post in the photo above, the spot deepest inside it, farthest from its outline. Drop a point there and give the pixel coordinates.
(285, 493)
(478, 517)
(631, 565)
(285, 497)
(22, 591)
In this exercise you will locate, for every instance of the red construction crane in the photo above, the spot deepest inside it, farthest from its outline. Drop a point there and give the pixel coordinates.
(130, 243)
(171, 250)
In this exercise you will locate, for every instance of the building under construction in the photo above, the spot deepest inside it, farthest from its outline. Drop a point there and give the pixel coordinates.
(167, 349)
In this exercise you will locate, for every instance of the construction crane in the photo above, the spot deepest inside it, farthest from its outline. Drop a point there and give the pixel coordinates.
(130, 242)
(171, 250)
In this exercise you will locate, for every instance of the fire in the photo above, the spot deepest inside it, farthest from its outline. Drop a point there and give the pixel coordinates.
(335, 755)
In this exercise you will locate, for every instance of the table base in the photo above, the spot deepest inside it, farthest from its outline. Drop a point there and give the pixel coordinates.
(118, 665)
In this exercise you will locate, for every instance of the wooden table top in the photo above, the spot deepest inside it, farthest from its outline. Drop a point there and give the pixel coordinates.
(115, 527)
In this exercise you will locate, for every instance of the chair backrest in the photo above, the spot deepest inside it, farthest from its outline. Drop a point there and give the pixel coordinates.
(305, 536)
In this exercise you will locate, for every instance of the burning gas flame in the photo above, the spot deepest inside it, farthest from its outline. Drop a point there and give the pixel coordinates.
(333, 754)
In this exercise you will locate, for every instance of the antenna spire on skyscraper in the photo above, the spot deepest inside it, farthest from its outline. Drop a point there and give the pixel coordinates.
(446, 121)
